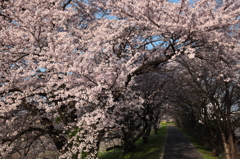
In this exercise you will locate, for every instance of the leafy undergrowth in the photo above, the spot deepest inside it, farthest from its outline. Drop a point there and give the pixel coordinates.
(202, 149)
(151, 150)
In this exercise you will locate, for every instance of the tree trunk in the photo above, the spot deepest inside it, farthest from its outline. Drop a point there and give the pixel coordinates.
(233, 152)
(228, 144)
(128, 145)
(146, 135)
(229, 151)
(128, 140)
(156, 128)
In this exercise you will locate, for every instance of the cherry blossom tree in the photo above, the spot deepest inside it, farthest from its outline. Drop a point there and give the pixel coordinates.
(210, 94)
(67, 65)
(152, 89)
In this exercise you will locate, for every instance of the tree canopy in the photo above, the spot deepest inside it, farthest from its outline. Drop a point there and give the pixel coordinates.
(74, 70)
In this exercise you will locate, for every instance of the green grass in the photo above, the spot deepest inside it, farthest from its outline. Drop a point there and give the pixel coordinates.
(203, 150)
(151, 150)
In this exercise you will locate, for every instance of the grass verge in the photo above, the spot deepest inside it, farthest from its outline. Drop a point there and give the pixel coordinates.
(203, 150)
(151, 150)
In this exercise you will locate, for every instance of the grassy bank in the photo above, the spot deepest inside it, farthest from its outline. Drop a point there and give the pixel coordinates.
(207, 154)
(151, 150)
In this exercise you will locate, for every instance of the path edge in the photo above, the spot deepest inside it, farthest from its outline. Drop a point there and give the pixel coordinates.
(163, 149)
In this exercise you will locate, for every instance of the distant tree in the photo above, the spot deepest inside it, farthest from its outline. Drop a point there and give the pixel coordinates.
(210, 92)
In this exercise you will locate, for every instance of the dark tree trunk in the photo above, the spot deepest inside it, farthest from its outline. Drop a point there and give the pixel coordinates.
(128, 145)
(147, 133)
(156, 128)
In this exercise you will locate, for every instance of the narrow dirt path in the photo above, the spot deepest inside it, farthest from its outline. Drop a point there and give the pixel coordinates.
(178, 146)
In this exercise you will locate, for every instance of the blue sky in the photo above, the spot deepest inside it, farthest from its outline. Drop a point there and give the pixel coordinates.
(176, 1)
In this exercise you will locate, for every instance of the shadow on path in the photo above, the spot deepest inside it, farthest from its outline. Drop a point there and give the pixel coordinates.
(178, 146)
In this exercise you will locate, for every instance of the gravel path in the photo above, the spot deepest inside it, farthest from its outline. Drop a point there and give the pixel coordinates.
(178, 146)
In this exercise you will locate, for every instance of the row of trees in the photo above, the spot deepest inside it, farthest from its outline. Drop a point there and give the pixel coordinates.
(209, 102)
(72, 71)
